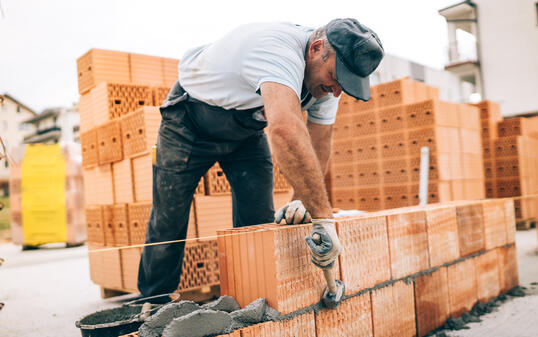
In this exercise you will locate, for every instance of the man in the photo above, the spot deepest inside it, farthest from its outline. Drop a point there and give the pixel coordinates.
(227, 92)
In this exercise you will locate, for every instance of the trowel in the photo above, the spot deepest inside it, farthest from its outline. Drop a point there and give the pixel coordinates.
(333, 294)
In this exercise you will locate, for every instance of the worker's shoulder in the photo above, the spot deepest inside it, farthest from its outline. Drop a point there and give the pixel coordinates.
(285, 32)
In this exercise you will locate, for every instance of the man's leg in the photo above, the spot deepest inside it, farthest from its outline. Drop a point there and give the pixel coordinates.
(249, 169)
(175, 178)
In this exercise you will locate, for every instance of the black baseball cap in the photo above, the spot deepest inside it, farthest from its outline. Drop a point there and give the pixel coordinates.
(358, 53)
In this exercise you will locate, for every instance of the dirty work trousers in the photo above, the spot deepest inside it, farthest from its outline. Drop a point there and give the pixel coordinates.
(192, 137)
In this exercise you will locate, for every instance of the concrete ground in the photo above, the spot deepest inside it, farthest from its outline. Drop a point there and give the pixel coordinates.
(45, 291)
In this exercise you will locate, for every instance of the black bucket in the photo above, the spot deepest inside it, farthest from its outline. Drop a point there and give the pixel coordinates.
(112, 322)
(117, 321)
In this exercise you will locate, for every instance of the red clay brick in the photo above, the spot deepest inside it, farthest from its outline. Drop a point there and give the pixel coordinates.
(353, 317)
(462, 288)
(509, 213)
(290, 279)
(139, 131)
(365, 260)
(96, 263)
(130, 260)
(408, 242)
(508, 272)
(442, 228)
(393, 310)
(108, 225)
(494, 223)
(470, 228)
(487, 275)
(301, 325)
(109, 143)
(431, 298)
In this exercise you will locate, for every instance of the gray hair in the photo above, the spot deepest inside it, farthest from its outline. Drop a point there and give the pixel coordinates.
(321, 34)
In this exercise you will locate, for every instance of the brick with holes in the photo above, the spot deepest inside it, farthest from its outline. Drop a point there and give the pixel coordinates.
(364, 124)
(142, 178)
(98, 65)
(216, 182)
(393, 145)
(487, 275)
(508, 272)
(90, 153)
(353, 317)
(470, 228)
(140, 129)
(391, 119)
(462, 288)
(369, 199)
(408, 242)
(109, 142)
(366, 148)
(442, 229)
(367, 173)
(395, 196)
(395, 171)
(365, 261)
(342, 151)
(123, 181)
(431, 298)
(393, 310)
(432, 112)
(138, 220)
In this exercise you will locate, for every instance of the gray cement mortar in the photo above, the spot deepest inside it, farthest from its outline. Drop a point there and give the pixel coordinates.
(199, 323)
(252, 313)
(155, 324)
(223, 303)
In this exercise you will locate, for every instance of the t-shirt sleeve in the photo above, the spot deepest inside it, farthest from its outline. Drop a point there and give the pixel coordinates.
(323, 111)
(274, 61)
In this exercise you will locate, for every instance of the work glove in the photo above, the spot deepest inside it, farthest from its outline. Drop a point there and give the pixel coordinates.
(293, 212)
(325, 253)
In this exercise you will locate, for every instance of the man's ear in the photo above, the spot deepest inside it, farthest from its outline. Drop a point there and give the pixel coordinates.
(315, 48)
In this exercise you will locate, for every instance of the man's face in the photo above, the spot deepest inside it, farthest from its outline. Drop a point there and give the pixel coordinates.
(320, 75)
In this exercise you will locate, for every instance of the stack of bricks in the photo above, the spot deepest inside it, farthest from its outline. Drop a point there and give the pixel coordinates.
(120, 118)
(375, 161)
(406, 270)
(510, 158)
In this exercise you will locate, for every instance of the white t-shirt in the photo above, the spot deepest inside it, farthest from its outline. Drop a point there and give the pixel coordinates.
(228, 73)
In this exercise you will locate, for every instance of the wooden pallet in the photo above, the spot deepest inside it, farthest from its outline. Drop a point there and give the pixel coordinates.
(523, 225)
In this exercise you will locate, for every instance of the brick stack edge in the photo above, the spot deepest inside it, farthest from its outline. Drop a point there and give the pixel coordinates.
(406, 270)
(120, 118)
(375, 160)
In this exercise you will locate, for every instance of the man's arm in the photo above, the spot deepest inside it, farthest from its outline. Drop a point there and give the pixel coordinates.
(292, 147)
(321, 136)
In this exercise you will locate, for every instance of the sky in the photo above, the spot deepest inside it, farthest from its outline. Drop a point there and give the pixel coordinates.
(40, 41)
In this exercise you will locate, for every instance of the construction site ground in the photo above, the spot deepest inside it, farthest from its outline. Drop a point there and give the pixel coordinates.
(45, 291)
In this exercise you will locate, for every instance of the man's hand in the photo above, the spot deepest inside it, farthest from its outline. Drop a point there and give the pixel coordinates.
(293, 212)
(325, 251)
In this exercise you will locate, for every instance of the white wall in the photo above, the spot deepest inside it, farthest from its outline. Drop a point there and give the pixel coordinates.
(508, 33)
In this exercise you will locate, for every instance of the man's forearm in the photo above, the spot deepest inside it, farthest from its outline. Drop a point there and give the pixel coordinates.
(299, 163)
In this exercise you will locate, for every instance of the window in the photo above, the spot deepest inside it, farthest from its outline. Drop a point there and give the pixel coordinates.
(18, 108)
(536, 7)
(6, 164)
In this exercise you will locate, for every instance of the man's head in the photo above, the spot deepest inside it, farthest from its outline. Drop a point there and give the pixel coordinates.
(340, 56)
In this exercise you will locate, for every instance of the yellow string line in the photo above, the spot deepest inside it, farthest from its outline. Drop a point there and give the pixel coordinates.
(239, 232)
(238, 229)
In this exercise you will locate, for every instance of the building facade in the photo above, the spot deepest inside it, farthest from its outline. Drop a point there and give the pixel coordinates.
(55, 125)
(493, 45)
(12, 130)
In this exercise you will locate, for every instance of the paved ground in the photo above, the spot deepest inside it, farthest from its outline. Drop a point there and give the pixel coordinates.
(45, 291)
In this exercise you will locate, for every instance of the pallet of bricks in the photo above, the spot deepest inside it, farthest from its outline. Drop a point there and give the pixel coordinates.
(406, 270)
(510, 160)
(375, 162)
(120, 95)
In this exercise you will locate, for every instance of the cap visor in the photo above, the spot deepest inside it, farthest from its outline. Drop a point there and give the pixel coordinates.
(352, 84)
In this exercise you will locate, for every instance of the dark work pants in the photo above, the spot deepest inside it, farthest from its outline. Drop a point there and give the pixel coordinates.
(192, 137)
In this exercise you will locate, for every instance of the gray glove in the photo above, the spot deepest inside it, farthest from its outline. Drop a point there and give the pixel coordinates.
(293, 212)
(325, 253)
